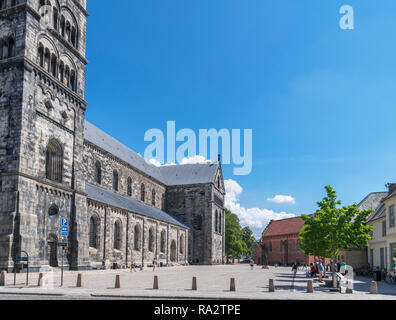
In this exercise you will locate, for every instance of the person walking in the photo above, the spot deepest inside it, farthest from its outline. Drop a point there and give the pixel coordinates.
(251, 264)
(133, 265)
(154, 264)
(295, 268)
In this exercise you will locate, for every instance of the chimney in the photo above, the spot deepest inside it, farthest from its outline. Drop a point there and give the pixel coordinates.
(391, 187)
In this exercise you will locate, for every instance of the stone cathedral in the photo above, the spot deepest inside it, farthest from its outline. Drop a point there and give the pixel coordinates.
(55, 165)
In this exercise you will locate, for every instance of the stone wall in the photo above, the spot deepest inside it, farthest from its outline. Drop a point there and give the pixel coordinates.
(109, 163)
(106, 217)
(195, 205)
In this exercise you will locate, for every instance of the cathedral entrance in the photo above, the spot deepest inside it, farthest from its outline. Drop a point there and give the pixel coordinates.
(173, 251)
(53, 250)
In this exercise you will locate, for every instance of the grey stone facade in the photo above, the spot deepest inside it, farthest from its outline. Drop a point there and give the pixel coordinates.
(47, 158)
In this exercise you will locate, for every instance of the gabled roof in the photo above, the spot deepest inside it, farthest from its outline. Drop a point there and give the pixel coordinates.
(169, 175)
(189, 173)
(119, 201)
(378, 214)
(372, 201)
(284, 227)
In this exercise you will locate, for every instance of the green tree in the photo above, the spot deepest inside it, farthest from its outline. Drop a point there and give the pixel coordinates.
(234, 245)
(248, 239)
(333, 228)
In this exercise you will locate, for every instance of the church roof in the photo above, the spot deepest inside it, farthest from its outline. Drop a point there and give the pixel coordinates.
(284, 227)
(119, 201)
(169, 175)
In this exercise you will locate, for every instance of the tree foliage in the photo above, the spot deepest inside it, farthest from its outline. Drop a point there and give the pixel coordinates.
(238, 240)
(333, 228)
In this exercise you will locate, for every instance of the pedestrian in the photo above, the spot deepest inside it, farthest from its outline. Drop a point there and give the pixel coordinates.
(320, 267)
(133, 265)
(251, 264)
(295, 268)
(154, 264)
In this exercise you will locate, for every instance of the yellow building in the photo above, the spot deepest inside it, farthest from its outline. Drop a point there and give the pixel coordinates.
(382, 248)
(378, 248)
(355, 257)
(390, 227)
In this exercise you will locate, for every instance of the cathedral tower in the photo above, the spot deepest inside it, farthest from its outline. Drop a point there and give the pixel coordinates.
(42, 109)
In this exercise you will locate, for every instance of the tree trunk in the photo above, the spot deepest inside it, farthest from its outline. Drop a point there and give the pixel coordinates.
(334, 273)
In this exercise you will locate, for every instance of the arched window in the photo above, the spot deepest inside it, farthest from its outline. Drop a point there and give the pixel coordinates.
(137, 238)
(53, 210)
(181, 244)
(47, 60)
(7, 48)
(115, 180)
(62, 26)
(54, 161)
(41, 55)
(11, 47)
(270, 247)
(129, 187)
(61, 71)
(67, 76)
(68, 31)
(98, 172)
(117, 235)
(153, 197)
(151, 240)
(142, 192)
(163, 241)
(216, 222)
(220, 221)
(53, 65)
(55, 18)
(93, 234)
(73, 37)
(73, 86)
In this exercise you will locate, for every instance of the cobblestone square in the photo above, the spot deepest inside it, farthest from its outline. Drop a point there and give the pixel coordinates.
(176, 282)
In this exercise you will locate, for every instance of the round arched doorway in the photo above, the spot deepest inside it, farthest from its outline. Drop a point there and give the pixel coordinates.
(53, 250)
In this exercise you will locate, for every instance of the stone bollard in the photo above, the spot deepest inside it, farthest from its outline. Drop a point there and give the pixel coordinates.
(232, 284)
(373, 287)
(309, 286)
(155, 286)
(117, 282)
(271, 285)
(40, 280)
(3, 278)
(79, 281)
(194, 284)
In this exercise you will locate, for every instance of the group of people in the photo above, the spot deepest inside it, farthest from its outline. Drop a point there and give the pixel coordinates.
(133, 265)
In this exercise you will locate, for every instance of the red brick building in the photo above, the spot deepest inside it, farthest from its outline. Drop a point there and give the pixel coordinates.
(280, 245)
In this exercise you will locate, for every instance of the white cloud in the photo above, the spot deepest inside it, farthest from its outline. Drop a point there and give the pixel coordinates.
(282, 199)
(257, 219)
(195, 159)
(190, 160)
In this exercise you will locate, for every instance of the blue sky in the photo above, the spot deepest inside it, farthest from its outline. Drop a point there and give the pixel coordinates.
(320, 100)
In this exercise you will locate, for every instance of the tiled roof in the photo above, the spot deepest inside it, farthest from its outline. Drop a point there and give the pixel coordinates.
(372, 201)
(284, 227)
(378, 214)
(169, 175)
(119, 201)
